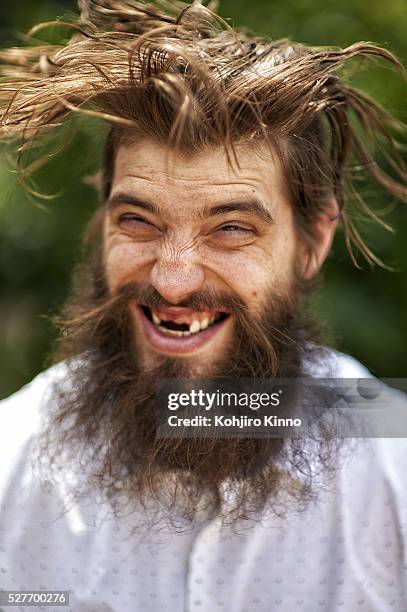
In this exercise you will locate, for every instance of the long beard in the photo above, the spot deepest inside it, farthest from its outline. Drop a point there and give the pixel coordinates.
(106, 412)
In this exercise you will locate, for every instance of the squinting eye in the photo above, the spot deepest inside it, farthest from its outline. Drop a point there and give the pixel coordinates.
(233, 235)
(132, 220)
(235, 228)
(138, 227)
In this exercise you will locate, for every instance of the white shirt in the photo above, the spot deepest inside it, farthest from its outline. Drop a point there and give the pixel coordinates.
(345, 552)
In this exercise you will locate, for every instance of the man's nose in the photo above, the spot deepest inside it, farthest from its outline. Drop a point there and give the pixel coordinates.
(176, 274)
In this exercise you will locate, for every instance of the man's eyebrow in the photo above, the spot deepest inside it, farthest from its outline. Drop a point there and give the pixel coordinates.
(124, 198)
(253, 207)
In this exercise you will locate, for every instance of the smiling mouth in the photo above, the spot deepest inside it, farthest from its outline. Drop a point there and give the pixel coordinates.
(184, 324)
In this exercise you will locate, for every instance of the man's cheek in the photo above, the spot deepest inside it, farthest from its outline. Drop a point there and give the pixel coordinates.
(123, 264)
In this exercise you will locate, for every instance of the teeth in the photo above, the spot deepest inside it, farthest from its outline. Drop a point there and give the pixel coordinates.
(171, 332)
(194, 327)
(156, 319)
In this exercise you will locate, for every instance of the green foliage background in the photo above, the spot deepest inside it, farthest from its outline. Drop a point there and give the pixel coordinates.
(365, 309)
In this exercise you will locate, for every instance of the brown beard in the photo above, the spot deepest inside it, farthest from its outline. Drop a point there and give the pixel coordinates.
(103, 421)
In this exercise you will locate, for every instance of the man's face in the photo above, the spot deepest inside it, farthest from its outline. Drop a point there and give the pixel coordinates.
(186, 243)
(187, 227)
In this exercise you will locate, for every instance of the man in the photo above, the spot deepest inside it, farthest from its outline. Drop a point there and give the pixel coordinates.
(225, 175)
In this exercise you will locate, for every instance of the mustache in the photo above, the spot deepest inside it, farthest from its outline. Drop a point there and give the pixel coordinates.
(114, 307)
(200, 301)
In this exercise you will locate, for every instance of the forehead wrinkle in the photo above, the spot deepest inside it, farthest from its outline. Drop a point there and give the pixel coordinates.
(204, 179)
(256, 191)
(135, 158)
(244, 203)
(189, 187)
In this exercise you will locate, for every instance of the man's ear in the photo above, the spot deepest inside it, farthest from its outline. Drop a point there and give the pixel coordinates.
(323, 234)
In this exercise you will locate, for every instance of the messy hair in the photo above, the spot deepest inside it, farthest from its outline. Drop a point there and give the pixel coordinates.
(179, 75)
